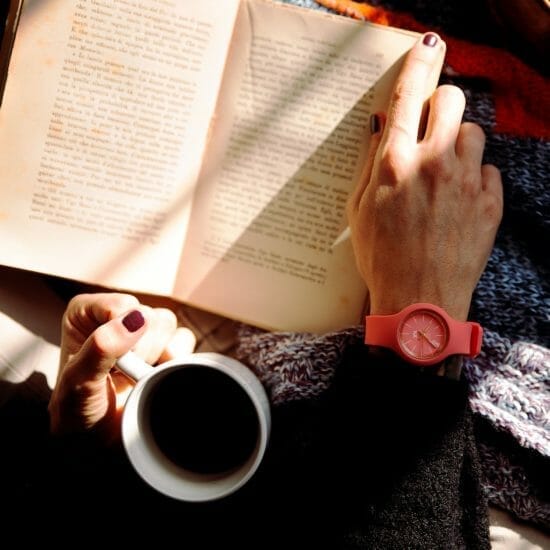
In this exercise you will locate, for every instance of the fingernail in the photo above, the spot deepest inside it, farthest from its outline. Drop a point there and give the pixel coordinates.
(374, 123)
(430, 40)
(133, 321)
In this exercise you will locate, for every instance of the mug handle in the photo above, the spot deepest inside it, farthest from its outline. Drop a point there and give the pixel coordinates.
(133, 366)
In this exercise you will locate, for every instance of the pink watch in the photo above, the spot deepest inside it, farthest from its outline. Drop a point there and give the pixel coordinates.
(423, 334)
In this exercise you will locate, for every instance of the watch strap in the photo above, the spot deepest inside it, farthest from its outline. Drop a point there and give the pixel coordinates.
(381, 330)
(465, 337)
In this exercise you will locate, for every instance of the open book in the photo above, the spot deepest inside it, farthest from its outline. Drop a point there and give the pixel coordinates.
(190, 150)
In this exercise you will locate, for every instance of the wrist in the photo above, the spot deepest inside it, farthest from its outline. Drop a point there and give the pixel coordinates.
(424, 335)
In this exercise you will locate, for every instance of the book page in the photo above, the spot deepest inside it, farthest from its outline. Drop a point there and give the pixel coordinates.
(102, 130)
(289, 144)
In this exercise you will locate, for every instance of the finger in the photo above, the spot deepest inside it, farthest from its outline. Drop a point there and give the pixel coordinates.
(86, 312)
(415, 83)
(161, 328)
(445, 117)
(491, 185)
(470, 144)
(105, 345)
(182, 343)
(376, 124)
(491, 181)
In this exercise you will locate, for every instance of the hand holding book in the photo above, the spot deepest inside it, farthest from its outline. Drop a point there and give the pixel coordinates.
(217, 175)
(425, 214)
(208, 159)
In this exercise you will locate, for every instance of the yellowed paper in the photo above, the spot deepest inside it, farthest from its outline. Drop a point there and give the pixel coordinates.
(289, 141)
(102, 130)
(180, 149)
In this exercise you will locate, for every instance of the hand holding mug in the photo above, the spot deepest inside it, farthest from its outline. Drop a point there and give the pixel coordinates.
(195, 427)
(96, 330)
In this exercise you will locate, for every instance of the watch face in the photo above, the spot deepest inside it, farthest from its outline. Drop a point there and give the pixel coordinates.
(423, 334)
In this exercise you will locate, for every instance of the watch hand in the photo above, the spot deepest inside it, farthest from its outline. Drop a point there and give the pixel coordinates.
(421, 333)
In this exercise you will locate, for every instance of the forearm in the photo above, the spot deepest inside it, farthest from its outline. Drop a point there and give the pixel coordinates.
(390, 459)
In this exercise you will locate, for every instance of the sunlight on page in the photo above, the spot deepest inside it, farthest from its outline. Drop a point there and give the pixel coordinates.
(119, 127)
(138, 167)
(296, 104)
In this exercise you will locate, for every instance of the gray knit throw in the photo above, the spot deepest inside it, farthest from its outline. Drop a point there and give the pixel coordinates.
(508, 387)
(510, 380)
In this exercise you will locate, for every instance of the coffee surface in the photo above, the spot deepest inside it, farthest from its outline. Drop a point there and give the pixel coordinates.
(202, 420)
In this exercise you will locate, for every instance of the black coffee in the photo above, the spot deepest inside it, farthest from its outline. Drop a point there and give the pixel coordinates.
(202, 420)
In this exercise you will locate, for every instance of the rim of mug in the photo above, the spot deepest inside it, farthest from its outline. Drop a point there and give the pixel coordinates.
(163, 474)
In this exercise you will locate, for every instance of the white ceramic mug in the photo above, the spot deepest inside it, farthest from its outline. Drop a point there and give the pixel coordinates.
(195, 428)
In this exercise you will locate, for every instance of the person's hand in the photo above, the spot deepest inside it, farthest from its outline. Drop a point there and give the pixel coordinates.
(424, 217)
(96, 330)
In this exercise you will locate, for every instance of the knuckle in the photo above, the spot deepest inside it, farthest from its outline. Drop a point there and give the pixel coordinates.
(74, 309)
(404, 90)
(119, 302)
(66, 324)
(393, 164)
(101, 342)
(474, 133)
(438, 168)
(167, 318)
(494, 208)
(449, 93)
(474, 129)
(77, 302)
(471, 183)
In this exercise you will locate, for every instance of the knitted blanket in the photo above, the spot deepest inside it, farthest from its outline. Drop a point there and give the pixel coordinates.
(510, 380)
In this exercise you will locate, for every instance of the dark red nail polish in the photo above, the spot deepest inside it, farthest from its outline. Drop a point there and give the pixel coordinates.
(374, 124)
(429, 40)
(133, 321)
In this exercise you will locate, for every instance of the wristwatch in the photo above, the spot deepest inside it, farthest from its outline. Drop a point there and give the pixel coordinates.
(423, 334)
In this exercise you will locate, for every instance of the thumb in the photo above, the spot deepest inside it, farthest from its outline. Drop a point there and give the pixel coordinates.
(107, 343)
